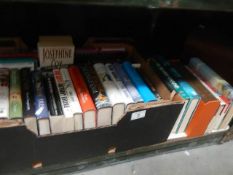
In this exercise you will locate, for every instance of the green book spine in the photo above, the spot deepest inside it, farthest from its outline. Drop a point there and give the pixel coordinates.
(15, 95)
(167, 79)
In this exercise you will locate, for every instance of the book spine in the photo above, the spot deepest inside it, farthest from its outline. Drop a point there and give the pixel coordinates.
(127, 82)
(95, 87)
(4, 93)
(15, 95)
(71, 93)
(221, 85)
(146, 94)
(56, 96)
(27, 93)
(41, 108)
(178, 78)
(50, 94)
(167, 79)
(111, 90)
(121, 87)
(66, 106)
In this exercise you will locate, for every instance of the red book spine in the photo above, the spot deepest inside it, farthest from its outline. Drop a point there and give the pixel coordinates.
(81, 89)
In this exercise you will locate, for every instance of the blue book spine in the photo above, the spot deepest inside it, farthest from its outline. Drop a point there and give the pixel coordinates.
(127, 82)
(142, 88)
(41, 109)
(178, 78)
(167, 79)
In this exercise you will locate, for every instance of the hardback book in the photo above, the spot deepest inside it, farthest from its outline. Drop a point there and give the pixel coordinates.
(145, 92)
(207, 107)
(53, 103)
(190, 103)
(4, 93)
(15, 106)
(128, 83)
(64, 87)
(101, 100)
(217, 82)
(28, 99)
(188, 89)
(41, 109)
(112, 92)
(18, 63)
(85, 99)
(73, 99)
(221, 85)
(119, 84)
(223, 107)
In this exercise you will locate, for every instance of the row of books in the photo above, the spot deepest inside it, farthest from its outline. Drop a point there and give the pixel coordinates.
(73, 98)
(207, 96)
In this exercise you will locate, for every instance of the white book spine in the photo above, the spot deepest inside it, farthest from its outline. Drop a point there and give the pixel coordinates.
(67, 110)
(72, 96)
(4, 102)
(111, 90)
(119, 84)
(4, 93)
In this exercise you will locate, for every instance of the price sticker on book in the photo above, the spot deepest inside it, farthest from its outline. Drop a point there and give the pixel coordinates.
(137, 115)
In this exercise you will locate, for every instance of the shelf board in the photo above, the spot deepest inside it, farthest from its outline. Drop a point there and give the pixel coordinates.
(210, 5)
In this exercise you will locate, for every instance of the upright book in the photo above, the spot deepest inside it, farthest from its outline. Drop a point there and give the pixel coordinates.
(73, 99)
(4, 93)
(15, 106)
(222, 86)
(145, 92)
(112, 92)
(85, 99)
(53, 102)
(119, 84)
(28, 99)
(41, 109)
(189, 105)
(206, 108)
(223, 107)
(67, 94)
(128, 83)
(217, 82)
(101, 100)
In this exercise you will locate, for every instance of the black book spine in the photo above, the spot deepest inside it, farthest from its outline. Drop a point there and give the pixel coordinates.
(56, 95)
(50, 95)
(27, 92)
(95, 87)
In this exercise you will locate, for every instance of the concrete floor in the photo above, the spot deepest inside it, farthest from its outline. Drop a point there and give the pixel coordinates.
(210, 160)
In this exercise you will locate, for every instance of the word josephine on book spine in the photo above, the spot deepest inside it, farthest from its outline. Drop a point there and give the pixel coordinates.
(55, 51)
